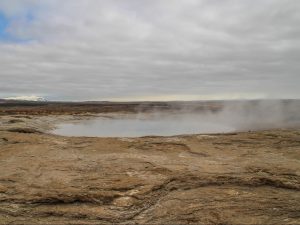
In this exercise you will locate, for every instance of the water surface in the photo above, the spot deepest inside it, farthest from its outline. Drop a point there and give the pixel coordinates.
(138, 126)
(232, 118)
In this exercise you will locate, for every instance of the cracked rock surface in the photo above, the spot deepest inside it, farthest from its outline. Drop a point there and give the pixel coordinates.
(239, 178)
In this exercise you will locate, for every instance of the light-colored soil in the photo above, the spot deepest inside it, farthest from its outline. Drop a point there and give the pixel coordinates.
(242, 178)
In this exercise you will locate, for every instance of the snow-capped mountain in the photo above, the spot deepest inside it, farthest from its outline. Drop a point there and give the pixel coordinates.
(26, 98)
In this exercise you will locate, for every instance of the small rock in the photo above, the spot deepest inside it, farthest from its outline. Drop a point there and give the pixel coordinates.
(124, 201)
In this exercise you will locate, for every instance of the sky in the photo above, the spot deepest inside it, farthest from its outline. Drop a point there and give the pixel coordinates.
(124, 50)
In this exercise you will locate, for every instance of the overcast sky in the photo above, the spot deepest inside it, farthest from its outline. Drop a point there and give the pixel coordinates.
(150, 49)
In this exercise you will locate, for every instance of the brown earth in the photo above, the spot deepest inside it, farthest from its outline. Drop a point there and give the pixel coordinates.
(237, 178)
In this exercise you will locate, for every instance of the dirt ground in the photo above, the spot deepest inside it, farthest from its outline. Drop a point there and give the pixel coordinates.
(236, 178)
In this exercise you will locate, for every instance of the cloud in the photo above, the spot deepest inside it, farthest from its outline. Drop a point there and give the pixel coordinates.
(12, 8)
(90, 49)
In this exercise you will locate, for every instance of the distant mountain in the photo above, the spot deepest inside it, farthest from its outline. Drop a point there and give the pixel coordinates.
(27, 98)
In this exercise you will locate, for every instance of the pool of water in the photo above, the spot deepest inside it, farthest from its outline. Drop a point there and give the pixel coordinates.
(232, 118)
(138, 126)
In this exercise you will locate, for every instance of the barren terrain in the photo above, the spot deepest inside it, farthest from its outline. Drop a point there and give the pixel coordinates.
(235, 178)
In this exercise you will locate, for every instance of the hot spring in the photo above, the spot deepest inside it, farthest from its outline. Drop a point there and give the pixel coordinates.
(141, 126)
(232, 118)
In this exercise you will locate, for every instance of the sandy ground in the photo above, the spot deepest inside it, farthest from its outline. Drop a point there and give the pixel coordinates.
(238, 178)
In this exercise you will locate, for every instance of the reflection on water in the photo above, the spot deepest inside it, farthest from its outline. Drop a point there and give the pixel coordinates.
(141, 126)
(163, 124)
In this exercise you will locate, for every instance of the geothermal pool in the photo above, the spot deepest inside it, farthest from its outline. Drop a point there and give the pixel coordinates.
(141, 126)
(174, 124)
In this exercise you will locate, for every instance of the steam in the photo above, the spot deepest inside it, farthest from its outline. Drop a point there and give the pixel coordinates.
(192, 118)
(238, 115)
(258, 115)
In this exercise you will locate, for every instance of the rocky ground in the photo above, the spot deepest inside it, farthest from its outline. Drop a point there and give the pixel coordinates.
(237, 178)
